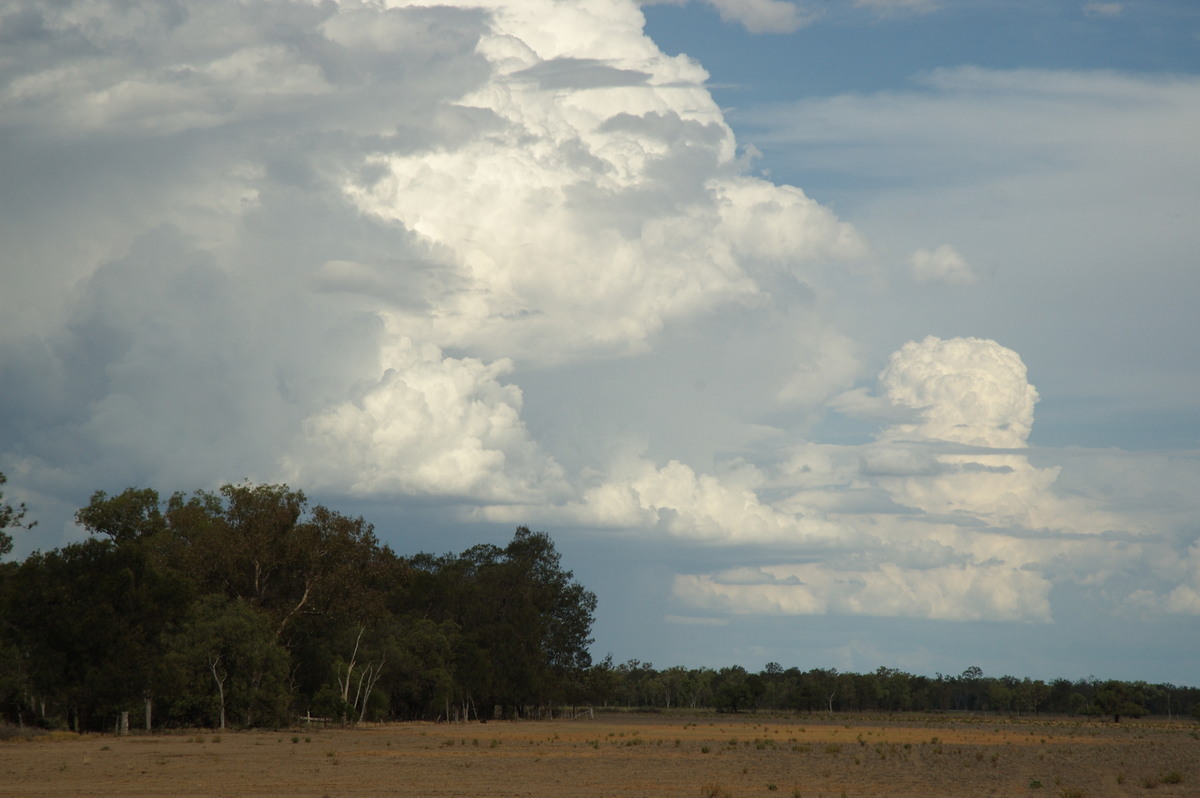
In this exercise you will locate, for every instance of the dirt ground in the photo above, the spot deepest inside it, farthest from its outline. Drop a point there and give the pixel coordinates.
(710, 756)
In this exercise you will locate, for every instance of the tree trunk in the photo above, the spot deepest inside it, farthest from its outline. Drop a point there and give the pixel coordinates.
(220, 680)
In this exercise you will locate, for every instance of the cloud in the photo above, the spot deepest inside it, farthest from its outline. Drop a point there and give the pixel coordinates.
(896, 7)
(431, 425)
(1033, 171)
(321, 245)
(965, 390)
(1108, 10)
(758, 16)
(946, 593)
(764, 16)
(942, 265)
(948, 519)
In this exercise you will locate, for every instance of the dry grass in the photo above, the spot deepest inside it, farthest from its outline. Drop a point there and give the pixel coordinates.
(627, 755)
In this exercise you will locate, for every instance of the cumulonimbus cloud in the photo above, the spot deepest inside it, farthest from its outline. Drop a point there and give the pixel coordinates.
(400, 202)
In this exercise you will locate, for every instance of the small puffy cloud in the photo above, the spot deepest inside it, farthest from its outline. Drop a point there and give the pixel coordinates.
(1098, 9)
(942, 265)
(764, 16)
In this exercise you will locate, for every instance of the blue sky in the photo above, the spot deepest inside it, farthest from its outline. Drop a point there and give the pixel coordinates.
(839, 334)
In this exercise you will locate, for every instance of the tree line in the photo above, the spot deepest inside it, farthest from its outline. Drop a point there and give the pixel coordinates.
(248, 607)
(635, 684)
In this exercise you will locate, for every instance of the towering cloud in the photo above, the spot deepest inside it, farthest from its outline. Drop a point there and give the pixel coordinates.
(965, 390)
(374, 215)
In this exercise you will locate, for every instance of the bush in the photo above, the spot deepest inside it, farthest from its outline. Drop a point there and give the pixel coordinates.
(10, 732)
(713, 789)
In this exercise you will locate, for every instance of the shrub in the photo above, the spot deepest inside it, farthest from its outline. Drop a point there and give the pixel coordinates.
(713, 789)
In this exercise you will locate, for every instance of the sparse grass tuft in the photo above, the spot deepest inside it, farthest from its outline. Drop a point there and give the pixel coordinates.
(714, 789)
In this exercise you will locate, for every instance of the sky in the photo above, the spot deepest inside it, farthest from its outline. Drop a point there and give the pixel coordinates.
(835, 333)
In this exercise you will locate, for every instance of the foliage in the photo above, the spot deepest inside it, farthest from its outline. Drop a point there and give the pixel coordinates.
(246, 606)
(10, 518)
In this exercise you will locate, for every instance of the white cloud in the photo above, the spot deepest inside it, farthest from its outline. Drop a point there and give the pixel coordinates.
(764, 16)
(758, 16)
(676, 500)
(430, 425)
(1097, 9)
(894, 7)
(942, 265)
(965, 390)
(582, 222)
(397, 206)
(943, 593)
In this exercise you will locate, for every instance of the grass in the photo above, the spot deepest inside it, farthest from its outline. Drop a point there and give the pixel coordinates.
(714, 789)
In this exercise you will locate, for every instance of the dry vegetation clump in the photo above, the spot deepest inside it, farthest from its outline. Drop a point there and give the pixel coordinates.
(10, 732)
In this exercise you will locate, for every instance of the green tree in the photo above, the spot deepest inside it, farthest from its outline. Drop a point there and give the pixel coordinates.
(226, 666)
(262, 544)
(732, 688)
(1120, 698)
(131, 515)
(10, 518)
(90, 619)
(525, 621)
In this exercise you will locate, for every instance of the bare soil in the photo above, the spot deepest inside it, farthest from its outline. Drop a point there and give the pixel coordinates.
(708, 756)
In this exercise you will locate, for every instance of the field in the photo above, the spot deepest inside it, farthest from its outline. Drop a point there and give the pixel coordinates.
(707, 756)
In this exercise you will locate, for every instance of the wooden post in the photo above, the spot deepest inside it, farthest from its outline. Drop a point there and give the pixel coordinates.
(123, 729)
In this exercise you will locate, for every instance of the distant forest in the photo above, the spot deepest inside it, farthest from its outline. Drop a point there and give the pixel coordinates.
(248, 607)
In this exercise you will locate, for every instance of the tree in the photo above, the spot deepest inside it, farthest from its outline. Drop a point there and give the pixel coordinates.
(1120, 698)
(262, 544)
(526, 622)
(90, 619)
(131, 515)
(227, 667)
(10, 518)
(733, 688)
